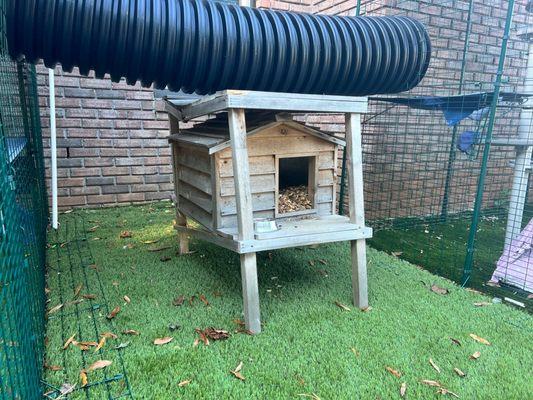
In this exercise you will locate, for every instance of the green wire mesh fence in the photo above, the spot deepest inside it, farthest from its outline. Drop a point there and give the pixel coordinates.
(440, 159)
(23, 222)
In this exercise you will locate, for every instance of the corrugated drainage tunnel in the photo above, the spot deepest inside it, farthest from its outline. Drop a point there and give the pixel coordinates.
(205, 46)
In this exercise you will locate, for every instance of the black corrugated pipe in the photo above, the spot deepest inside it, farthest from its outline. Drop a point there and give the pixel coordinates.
(205, 46)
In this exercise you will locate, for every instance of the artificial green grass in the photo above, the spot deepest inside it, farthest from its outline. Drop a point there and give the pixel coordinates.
(306, 346)
(440, 247)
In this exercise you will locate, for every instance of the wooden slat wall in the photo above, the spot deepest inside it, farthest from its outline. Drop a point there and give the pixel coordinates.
(195, 186)
(262, 148)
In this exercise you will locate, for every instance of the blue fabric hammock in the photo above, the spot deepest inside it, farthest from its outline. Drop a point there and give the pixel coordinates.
(457, 108)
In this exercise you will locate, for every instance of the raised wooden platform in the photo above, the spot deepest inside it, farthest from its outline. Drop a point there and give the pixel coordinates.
(249, 100)
(328, 229)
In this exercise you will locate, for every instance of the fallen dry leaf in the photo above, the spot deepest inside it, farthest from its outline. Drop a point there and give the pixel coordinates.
(203, 299)
(366, 309)
(100, 364)
(93, 228)
(237, 372)
(435, 366)
(108, 335)
(456, 341)
(81, 346)
(89, 296)
(475, 356)
(101, 344)
(341, 306)
(77, 290)
(125, 234)
(91, 343)
(403, 389)
(69, 341)
(184, 383)
(479, 339)
(127, 299)
(53, 367)
(431, 383)
(66, 388)
(446, 391)
(131, 332)
(439, 290)
(459, 372)
(203, 336)
(393, 372)
(482, 304)
(163, 340)
(83, 378)
(354, 351)
(397, 253)
(216, 334)
(178, 301)
(150, 241)
(113, 313)
(55, 309)
(122, 345)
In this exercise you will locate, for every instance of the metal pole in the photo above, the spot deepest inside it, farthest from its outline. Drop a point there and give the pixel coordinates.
(53, 147)
(522, 165)
(467, 269)
(343, 168)
(451, 155)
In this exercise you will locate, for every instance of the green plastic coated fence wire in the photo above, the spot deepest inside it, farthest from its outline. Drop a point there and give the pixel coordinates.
(421, 175)
(23, 221)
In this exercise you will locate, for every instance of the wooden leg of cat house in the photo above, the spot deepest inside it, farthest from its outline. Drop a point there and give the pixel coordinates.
(243, 194)
(181, 220)
(354, 158)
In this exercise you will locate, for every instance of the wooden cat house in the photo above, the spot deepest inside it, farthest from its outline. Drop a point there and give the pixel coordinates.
(254, 179)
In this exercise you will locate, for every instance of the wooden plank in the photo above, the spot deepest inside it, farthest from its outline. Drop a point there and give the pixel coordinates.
(359, 274)
(307, 227)
(243, 194)
(198, 197)
(326, 177)
(325, 194)
(326, 159)
(195, 178)
(241, 99)
(258, 184)
(195, 159)
(250, 293)
(293, 146)
(195, 212)
(181, 219)
(260, 202)
(260, 165)
(255, 245)
(196, 140)
(228, 221)
(354, 161)
(323, 208)
(209, 236)
(241, 173)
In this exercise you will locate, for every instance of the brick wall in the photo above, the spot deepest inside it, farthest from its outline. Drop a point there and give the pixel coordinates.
(112, 145)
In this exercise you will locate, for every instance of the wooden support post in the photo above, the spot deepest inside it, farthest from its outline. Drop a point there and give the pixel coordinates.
(354, 158)
(243, 194)
(181, 219)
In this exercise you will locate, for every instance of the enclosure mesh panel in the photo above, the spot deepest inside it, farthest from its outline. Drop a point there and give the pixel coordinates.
(422, 172)
(23, 220)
